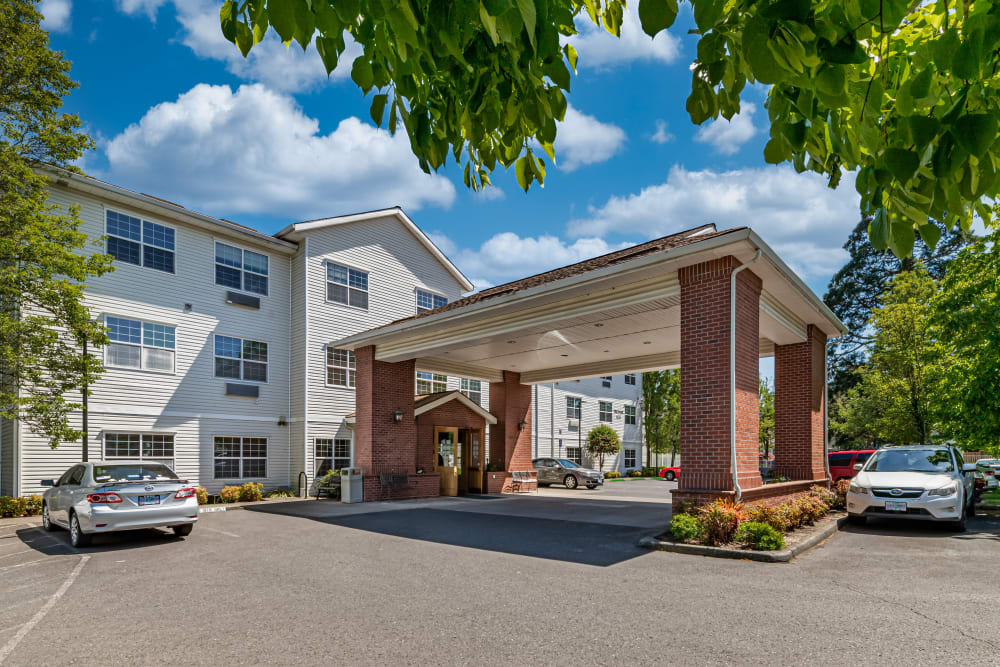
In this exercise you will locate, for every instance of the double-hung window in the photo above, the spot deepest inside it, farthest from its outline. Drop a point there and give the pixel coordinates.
(473, 389)
(606, 381)
(331, 454)
(346, 285)
(138, 344)
(240, 269)
(630, 415)
(341, 368)
(573, 404)
(140, 242)
(630, 378)
(240, 359)
(430, 383)
(630, 458)
(575, 455)
(149, 447)
(238, 457)
(429, 301)
(605, 411)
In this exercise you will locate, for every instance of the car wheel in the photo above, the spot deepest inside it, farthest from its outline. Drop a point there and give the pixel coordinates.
(970, 511)
(46, 519)
(183, 530)
(76, 536)
(669, 476)
(570, 482)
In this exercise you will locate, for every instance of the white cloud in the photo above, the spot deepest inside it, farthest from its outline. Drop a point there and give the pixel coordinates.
(490, 193)
(255, 151)
(796, 214)
(56, 14)
(662, 135)
(599, 49)
(582, 139)
(288, 69)
(728, 136)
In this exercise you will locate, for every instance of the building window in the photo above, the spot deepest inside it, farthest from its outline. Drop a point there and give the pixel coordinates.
(630, 415)
(347, 286)
(140, 242)
(430, 383)
(240, 269)
(429, 301)
(341, 368)
(573, 454)
(573, 412)
(240, 359)
(630, 378)
(138, 344)
(473, 389)
(605, 411)
(629, 458)
(606, 381)
(149, 447)
(331, 454)
(238, 457)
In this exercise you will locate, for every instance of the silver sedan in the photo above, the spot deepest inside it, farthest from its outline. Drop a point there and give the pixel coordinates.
(107, 496)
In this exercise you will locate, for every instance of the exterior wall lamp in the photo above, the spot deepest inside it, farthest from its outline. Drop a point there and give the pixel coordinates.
(521, 425)
(397, 416)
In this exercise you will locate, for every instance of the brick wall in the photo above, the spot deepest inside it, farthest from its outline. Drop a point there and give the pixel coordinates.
(510, 403)
(798, 408)
(381, 445)
(420, 486)
(452, 413)
(705, 407)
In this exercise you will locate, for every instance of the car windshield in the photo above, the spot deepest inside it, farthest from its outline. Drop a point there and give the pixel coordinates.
(911, 460)
(133, 472)
(567, 464)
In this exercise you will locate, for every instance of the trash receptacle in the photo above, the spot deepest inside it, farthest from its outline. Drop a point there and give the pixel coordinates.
(352, 486)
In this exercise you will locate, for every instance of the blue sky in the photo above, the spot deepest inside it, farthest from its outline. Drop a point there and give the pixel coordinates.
(178, 113)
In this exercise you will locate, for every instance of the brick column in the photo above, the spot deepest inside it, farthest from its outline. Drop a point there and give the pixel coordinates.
(799, 380)
(510, 402)
(705, 393)
(380, 444)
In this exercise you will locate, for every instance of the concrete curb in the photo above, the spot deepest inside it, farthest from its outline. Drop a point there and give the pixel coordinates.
(781, 556)
(229, 507)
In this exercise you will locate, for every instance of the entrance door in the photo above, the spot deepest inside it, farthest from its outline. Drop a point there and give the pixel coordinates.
(448, 459)
(474, 457)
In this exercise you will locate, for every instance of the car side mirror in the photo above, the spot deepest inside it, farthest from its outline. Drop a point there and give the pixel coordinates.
(858, 466)
(48, 482)
(968, 467)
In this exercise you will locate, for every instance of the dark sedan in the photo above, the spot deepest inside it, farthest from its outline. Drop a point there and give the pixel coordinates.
(563, 471)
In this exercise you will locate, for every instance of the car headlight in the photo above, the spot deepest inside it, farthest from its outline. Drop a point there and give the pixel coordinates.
(951, 489)
(857, 488)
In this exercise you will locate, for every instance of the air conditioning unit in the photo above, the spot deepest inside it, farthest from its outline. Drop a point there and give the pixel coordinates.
(574, 423)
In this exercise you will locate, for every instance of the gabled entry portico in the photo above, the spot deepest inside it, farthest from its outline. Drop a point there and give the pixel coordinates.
(709, 302)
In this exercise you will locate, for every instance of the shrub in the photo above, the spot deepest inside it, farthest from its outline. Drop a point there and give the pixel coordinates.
(823, 494)
(634, 473)
(685, 507)
(774, 516)
(759, 536)
(840, 494)
(612, 475)
(686, 527)
(202, 496)
(10, 507)
(280, 493)
(650, 471)
(251, 491)
(230, 494)
(33, 505)
(720, 519)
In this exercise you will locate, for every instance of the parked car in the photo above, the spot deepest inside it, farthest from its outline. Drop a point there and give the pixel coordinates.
(564, 471)
(990, 469)
(108, 496)
(927, 482)
(670, 473)
(842, 463)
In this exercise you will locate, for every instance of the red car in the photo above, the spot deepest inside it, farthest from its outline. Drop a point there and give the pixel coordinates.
(842, 463)
(670, 474)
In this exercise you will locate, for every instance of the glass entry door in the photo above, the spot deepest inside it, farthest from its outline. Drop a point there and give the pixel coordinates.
(449, 459)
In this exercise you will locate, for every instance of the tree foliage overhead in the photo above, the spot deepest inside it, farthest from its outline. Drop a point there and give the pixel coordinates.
(42, 316)
(901, 92)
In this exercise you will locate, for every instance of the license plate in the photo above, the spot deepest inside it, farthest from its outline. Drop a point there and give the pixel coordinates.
(155, 500)
(895, 507)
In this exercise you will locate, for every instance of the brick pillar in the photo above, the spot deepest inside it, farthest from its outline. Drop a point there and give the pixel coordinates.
(380, 444)
(799, 380)
(705, 406)
(510, 402)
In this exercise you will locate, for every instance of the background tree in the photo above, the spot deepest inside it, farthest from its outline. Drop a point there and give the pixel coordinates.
(966, 315)
(661, 413)
(42, 317)
(766, 423)
(902, 93)
(671, 429)
(603, 441)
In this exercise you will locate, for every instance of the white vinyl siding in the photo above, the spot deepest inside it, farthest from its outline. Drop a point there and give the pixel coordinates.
(241, 269)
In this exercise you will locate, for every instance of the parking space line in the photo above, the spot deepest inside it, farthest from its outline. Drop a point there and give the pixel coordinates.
(13, 627)
(50, 559)
(216, 530)
(14, 553)
(41, 613)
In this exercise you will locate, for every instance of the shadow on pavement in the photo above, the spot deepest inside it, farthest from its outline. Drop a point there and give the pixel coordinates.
(978, 528)
(57, 543)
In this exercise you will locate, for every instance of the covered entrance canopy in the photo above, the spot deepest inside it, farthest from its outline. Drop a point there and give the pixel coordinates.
(709, 302)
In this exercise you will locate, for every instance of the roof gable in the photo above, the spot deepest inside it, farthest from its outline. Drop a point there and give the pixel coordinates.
(428, 402)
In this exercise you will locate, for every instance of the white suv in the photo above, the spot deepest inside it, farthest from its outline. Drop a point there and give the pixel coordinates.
(929, 482)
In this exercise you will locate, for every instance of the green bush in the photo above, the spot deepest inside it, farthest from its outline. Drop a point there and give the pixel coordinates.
(230, 494)
(686, 527)
(720, 519)
(612, 475)
(202, 495)
(650, 471)
(11, 507)
(685, 507)
(634, 473)
(775, 516)
(759, 536)
(33, 505)
(251, 491)
(280, 493)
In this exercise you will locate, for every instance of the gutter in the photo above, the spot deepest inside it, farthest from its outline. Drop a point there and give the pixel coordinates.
(732, 369)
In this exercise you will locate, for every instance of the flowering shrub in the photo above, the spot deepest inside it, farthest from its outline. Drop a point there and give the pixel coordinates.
(840, 494)
(33, 505)
(230, 494)
(612, 475)
(11, 507)
(759, 536)
(686, 527)
(720, 519)
(202, 496)
(251, 491)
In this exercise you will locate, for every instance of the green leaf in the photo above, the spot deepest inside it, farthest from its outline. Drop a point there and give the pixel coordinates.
(392, 119)
(524, 173)
(902, 163)
(944, 48)
(975, 132)
(920, 85)
(556, 70)
(878, 229)
(965, 64)
(227, 18)
(931, 234)
(305, 24)
(794, 10)
(774, 151)
(707, 13)
(920, 130)
(281, 15)
(361, 73)
(244, 38)
(571, 56)
(527, 9)
(845, 52)
(490, 23)
(657, 15)
(763, 65)
(327, 48)
(378, 108)
(795, 133)
(901, 237)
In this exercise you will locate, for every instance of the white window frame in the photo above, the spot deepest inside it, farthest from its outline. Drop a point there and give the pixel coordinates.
(601, 412)
(350, 370)
(434, 296)
(215, 356)
(142, 346)
(630, 378)
(630, 414)
(142, 435)
(142, 240)
(333, 458)
(606, 380)
(466, 388)
(367, 289)
(434, 380)
(574, 412)
(629, 452)
(241, 458)
(242, 268)
(578, 459)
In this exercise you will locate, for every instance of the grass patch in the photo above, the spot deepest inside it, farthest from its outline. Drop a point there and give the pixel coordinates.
(992, 498)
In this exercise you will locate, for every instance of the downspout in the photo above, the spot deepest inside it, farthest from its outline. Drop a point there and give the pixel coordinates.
(826, 420)
(732, 370)
(304, 492)
(534, 421)
(552, 420)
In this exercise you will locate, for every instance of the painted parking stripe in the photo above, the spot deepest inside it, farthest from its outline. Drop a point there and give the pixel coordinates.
(216, 530)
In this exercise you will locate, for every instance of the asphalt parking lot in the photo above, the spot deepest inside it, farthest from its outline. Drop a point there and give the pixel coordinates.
(529, 579)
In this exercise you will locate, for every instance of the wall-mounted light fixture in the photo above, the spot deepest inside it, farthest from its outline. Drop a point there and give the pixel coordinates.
(522, 425)
(397, 416)
(282, 421)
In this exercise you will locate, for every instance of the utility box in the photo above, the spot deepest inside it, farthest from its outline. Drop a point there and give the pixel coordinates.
(352, 486)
